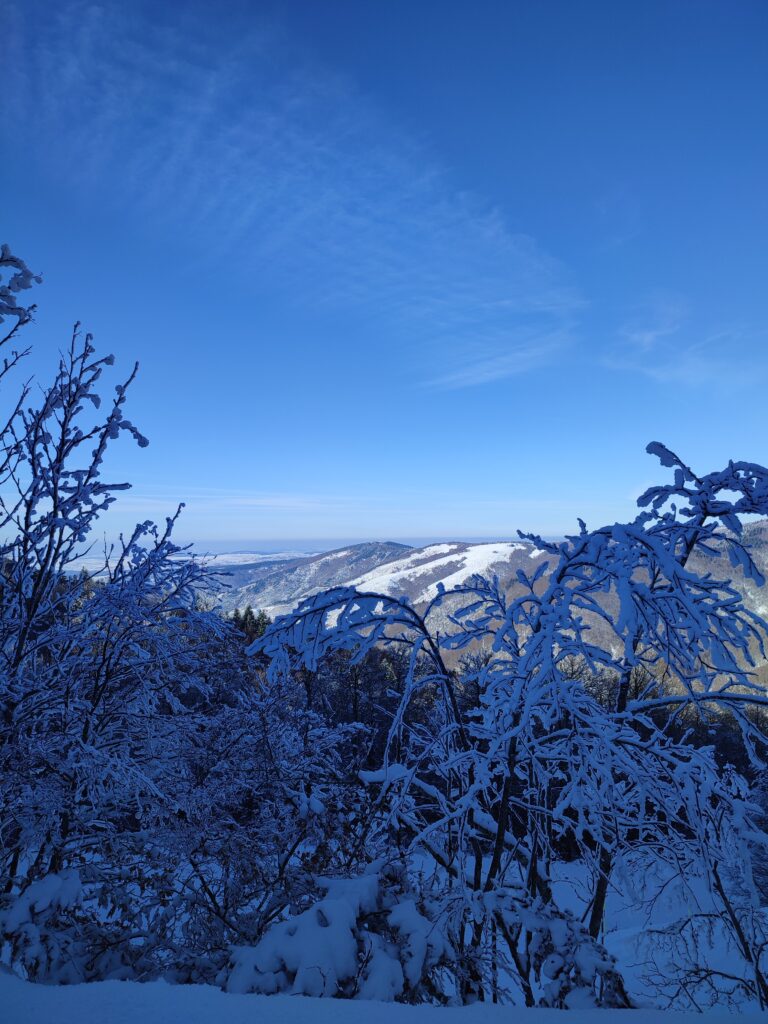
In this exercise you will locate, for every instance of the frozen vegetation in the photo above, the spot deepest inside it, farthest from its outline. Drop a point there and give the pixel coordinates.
(550, 795)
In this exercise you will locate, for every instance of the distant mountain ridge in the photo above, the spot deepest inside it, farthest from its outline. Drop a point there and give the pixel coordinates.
(381, 566)
(276, 583)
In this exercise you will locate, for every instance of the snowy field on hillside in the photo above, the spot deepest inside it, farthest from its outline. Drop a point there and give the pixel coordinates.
(125, 1002)
(477, 558)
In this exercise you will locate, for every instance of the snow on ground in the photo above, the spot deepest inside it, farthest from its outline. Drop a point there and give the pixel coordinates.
(127, 1002)
(475, 558)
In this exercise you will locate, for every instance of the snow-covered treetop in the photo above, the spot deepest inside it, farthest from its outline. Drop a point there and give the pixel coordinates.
(15, 277)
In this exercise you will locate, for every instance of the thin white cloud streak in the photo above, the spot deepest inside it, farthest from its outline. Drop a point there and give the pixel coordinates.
(520, 358)
(660, 343)
(282, 172)
(668, 357)
(661, 321)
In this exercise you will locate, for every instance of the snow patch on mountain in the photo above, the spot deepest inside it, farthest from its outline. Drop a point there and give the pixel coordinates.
(405, 568)
(463, 561)
(477, 559)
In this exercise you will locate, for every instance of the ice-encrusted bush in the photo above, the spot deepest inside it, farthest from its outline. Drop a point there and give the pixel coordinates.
(139, 748)
(370, 937)
(366, 938)
(33, 924)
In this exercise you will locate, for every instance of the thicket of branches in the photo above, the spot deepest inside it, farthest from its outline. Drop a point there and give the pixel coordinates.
(368, 803)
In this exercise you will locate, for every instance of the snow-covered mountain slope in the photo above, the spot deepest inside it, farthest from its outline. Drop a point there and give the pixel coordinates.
(277, 583)
(419, 573)
(384, 567)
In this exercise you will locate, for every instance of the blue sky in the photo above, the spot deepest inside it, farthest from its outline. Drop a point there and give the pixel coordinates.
(399, 270)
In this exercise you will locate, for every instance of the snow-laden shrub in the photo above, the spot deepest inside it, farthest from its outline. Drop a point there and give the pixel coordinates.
(370, 937)
(33, 924)
(364, 939)
(139, 747)
(571, 971)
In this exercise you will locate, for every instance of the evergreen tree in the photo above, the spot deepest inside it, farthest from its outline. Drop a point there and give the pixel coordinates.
(252, 624)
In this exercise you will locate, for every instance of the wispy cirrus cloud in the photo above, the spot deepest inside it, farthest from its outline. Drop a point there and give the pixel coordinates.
(660, 319)
(521, 353)
(662, 341)
(281, 170)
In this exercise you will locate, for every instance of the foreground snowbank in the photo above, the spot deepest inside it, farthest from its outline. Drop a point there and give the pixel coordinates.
(125, 1002)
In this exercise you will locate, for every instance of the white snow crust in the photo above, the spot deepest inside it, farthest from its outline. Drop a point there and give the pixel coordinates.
(129, 1002)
